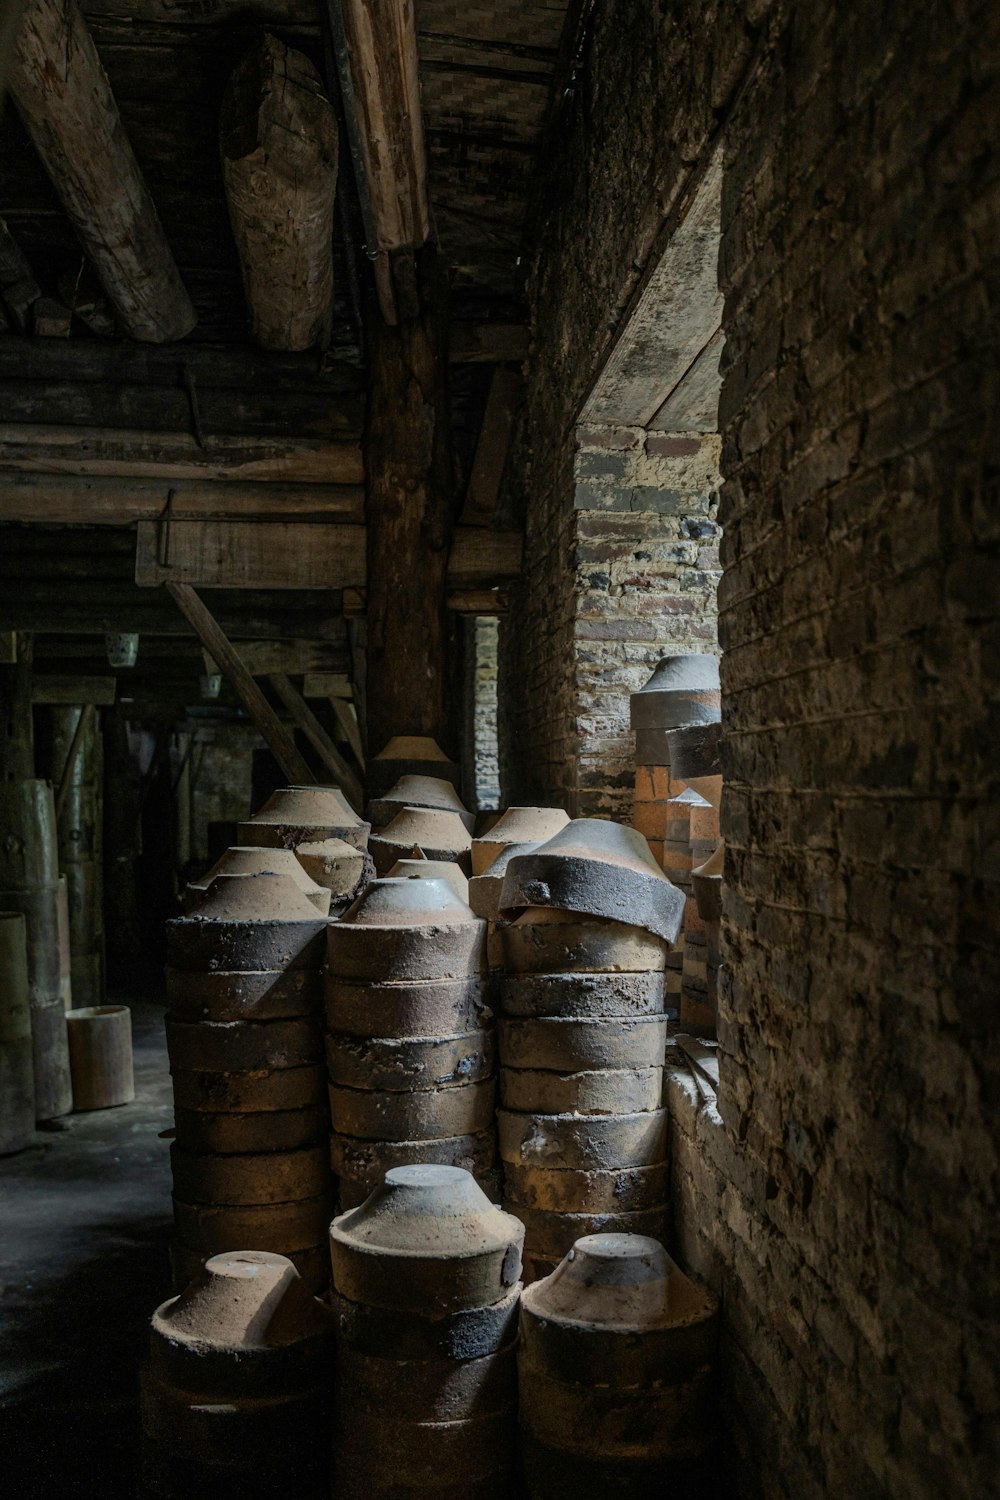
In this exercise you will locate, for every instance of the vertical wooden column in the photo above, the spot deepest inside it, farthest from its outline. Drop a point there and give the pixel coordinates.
(410, 478)
(17, 741)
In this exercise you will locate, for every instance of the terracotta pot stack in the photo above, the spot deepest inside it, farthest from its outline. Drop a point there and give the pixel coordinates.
(409, 755)
(683, 691)
(426, 1284)
(582, 1037)
(410, 1048)
(249, 1159)
(420, 815)
(695, 756)
(615, 1367)
(238, 1386)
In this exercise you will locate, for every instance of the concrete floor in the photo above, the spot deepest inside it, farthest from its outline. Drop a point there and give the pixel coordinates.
(84, 1231)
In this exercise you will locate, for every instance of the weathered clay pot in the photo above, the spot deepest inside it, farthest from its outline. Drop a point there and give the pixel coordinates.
(426, 1114)
(305, 815)
(589, 1092)
(419, 868)
(433, 792)
(428, 1241)
(597, 996)
(547, 940)
(244, 860)
(598, 869)
(404, 930)
(485, 888)
(569, 1045)
(427, 1008)
(518, 825)
(394, 1333)
(568, 1190)
(682, 690)
(258, 1090)
(248, 923)
(236, 1181)
(408, 1063)
(241, 1046)
(553, 1235)
(334, 864)
(224, 996)
(437, 834)
(589, 1143)
(360, 1166)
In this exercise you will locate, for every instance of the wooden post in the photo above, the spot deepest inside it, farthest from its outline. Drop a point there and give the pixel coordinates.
(410, 476)
(65, 100)
(279, 140)
(306, 720)
(17, 742)
(220, 648)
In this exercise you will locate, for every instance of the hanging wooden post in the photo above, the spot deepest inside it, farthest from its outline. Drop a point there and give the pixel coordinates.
(220, 648)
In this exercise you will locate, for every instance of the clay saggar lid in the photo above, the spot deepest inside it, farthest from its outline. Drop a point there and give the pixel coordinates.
(242, 859)
(243, 1300)
(396, 901)
(412, 747)
(419, 868)
(600, 869)
(253, 899)
(425, 791)
(308, 807)
(439, 834)
(485, 889)
(518, 825)
(682, 690)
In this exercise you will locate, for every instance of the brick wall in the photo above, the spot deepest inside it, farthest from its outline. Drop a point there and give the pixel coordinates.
(842, 1193)
(480, 753)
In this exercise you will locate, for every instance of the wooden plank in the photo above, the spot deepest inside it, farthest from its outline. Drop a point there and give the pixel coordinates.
(65, 100)
(345, 714)
(488, 343)
(483, 492)
(86, 608)
(68, 500)
(483, 558)
(479, 601)
(307, 722)
(693, 404)
(326, 685)
(250, 695)
(245, 555)
(125, 453)
(67, 691)
(279, 142)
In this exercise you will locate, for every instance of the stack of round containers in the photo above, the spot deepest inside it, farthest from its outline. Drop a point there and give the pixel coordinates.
(426, 1288)
(304, 814)
(682, 690)
(513, 832)
(409, 754)
(238, 1387)
(240, 860)
(433, 793)
(582, 1038)
(410, 1049)
(244, 988)
(615, 1367)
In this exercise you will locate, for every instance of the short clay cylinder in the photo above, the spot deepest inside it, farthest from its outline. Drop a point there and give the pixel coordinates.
(583, 996)
(544, 940)
(485, 889)
(471, 1459)
(40, 908)
(100, 1056)
(431, 1114)
(17, 1082)
(593, 1143)
(598, 869)
(405, 930)
(241, 1046)
(405, 1064)
(597, 1092)
(427, 1008)
(50, 1061)
(258, 1089)
(394, 1333)
(437, 834)
(428, 1241)
(244, 1326)
(368, 1161)
(695, 759)
(305, 815)
(222, 1134)
(333, 864)
(518, 825)
(248, 923)
(553, 1235)
(706, 882)
(624, 1189)
(430, 1390)
(419, 868)
(272, 1177)
(245, 860)
(419, 791)
(682, 690)
(224, 996)
(283, 1228)
(619, 1311)
(570, 1045)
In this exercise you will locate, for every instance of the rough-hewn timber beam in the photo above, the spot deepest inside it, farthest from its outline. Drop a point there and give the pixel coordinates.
(65, 100)
(222, 652)
(483, 492)
(127, 453)
(278, 138)
(69, 500)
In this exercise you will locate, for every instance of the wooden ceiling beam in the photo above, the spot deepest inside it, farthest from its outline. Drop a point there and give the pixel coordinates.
(71, 500)
(65, 100)
(279, 141)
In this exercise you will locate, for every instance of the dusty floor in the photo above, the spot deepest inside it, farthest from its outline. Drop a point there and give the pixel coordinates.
(84, 1230)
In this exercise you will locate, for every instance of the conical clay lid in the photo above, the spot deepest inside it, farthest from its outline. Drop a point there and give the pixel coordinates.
(242, 859)
(308, 807)
(518, 825)
(331, 863)
(253, 899)
(401, 902)
(485, 889)
(412, 747)
(682, 690)
(600, 869)
(420, 868)
(438, 834)
(623, 1283)
(425, 791)
(244, 1300)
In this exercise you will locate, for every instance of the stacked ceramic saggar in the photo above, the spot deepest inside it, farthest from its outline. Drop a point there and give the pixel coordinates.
(316, 822)
(614, 1367)
(241, 860)
(410, 1047)
(694, 752)
(423, 814)
(409, 755)
(582, 1037)
(683, 690)
(238, 1386)
(425, 1289)
(513, 832)
(244, 987)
